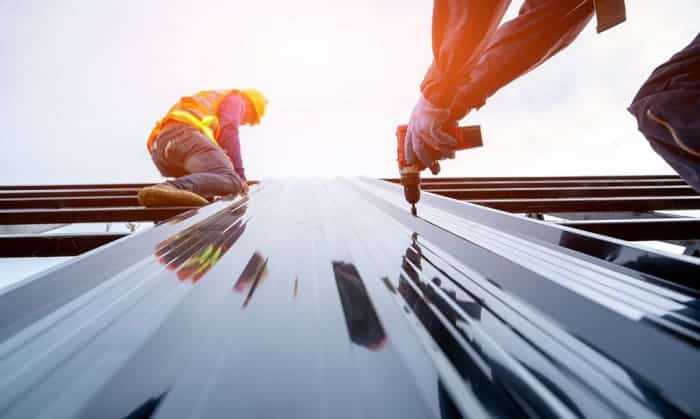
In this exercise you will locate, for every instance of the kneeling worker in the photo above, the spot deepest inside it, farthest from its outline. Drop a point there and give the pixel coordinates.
(197, 143)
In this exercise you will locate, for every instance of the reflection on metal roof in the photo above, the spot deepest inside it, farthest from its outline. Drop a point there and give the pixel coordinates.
(320, 299)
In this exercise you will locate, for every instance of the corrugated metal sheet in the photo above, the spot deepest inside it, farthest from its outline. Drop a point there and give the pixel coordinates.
(319, 299)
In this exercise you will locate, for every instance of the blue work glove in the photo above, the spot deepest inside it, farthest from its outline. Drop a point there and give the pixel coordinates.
(426, 140)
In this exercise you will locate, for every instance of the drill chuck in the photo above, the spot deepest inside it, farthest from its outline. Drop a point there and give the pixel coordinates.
(411, 186)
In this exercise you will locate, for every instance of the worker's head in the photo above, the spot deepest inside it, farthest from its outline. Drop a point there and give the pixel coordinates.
(255, 112)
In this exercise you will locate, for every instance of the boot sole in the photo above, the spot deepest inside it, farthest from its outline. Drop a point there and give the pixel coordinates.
(160, 198)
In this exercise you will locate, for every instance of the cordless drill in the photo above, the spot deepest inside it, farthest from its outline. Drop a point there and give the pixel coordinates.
(467, 137)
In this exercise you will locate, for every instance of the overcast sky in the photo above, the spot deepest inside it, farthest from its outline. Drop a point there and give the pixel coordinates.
(83, 81)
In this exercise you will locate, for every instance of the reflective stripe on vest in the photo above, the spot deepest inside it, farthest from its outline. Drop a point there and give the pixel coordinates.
(204, 124)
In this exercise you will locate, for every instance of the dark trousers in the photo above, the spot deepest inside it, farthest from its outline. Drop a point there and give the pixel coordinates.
(667, 109)
(199, 165)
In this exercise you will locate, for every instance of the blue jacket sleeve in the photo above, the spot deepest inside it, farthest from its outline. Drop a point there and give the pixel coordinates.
(460, 29)
(230, 115)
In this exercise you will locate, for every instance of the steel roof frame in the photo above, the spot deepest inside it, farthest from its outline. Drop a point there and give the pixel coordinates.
(31, 204)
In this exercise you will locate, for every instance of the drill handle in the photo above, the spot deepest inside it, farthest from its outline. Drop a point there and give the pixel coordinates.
(400, 150)
(468, 136)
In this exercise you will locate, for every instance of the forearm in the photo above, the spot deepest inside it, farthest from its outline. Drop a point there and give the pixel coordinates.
(230, 113)
(232, 147)
(519, 46)
(461, 30)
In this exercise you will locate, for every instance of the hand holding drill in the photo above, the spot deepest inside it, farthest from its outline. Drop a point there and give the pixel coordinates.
(428, 138)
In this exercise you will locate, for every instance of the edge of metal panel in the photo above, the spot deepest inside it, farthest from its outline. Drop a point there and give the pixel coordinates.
(674, 270)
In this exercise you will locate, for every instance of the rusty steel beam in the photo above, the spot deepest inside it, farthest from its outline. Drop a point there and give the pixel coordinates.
(642, 229)
(559, 192)
(67, 193)
(53, 245)
(69, 202)
(74, 186)
(542, 178)
(88, 215)
(652, 203)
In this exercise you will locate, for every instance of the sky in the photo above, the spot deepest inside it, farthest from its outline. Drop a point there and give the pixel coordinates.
(83, 82)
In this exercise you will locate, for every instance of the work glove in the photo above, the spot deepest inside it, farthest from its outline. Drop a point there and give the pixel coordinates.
(426, 139)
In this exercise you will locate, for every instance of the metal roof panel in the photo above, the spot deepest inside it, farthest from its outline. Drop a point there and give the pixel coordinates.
(324, 299)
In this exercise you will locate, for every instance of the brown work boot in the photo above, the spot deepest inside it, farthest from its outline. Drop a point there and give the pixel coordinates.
(167, 195)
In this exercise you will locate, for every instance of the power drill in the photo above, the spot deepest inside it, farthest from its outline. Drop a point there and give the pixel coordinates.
(467, 137)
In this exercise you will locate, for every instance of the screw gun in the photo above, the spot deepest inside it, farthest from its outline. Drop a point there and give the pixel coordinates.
(467, 137)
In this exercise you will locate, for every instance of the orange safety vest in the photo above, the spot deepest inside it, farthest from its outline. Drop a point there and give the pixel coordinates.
(199, 110)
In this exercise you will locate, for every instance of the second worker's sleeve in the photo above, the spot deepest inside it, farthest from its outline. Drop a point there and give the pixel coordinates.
(461, 28)
(230, 112)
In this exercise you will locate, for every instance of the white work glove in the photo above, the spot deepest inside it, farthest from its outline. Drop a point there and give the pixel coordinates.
(426, 140)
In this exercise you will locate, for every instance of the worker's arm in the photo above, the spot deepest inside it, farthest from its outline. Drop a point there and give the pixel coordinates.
(230, 115)
(461, 30)
(473, 60)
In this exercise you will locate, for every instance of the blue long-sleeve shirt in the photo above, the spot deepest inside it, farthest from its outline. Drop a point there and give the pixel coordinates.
(230, 115)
